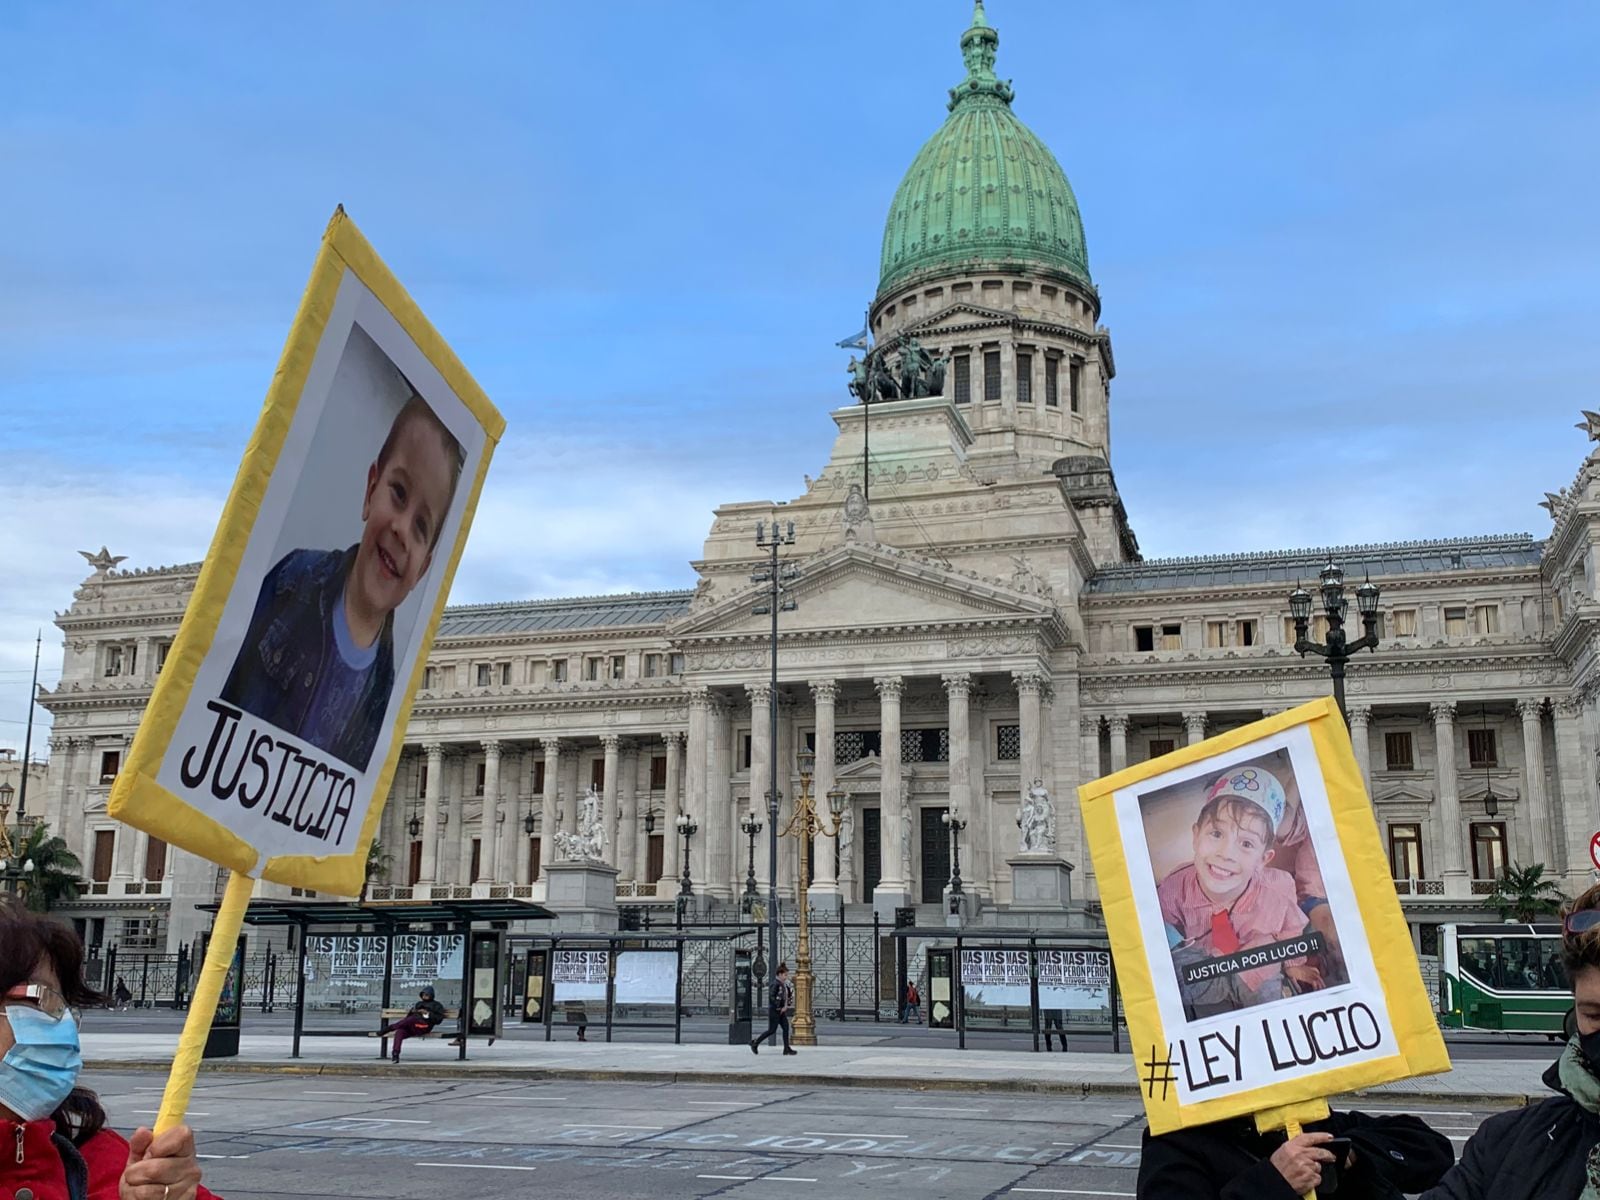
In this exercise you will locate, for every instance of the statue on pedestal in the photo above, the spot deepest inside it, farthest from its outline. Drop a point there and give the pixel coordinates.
(1037, 821)
(588, 843)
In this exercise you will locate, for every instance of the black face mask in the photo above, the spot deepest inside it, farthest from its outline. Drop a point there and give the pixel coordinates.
(1589, 1043)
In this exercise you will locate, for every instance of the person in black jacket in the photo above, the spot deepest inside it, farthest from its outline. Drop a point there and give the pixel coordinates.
(779, 1008)
(1549, 1150)
(1229, 1160)
(424, 1015)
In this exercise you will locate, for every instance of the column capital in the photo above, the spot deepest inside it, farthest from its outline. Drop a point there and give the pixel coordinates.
(552, 745)
(1028, 682)
(1195, 721)
(59, 744)
(699, 696)
(1442, 713)
(1117, 723)
(1360, 714)
(674, 737)
(1088, 725)
(1567, 706)
(611, 741)
(759, 693)
(1530, 709)
(825, 691)
(433, 749)
(491, 747)
(957, 683)
(890, 687)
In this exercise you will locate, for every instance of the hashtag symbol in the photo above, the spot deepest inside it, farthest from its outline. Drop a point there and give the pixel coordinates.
(1160, 1071)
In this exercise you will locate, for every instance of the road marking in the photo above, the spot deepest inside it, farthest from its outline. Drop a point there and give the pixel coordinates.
(788, 1179)
(157, 1110)
(592, 1125)
(384, 1120)
(478, 1166)
(1455, 1137)
(720, 1103)
(931, 1109)
(1421, 1112)
(742, 1177)
(1099, 1145)
(335, 1093)
(1069, 1192)
(837, 1134)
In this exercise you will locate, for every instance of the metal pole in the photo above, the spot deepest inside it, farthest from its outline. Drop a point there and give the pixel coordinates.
(773, 799)
(27, 738)
(1336, 666)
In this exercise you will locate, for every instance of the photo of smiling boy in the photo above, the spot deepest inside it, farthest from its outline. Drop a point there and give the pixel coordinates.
(1229, 898)
(318, 659)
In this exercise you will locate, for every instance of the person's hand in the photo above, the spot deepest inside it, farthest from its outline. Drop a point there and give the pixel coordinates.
(1305, 975)
(1300, 1159)
(161, 1166)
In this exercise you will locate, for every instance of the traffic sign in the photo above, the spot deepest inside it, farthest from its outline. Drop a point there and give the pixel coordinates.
(1594, 851)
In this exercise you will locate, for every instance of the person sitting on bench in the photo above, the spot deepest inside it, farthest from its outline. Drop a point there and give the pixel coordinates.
(424, 1015)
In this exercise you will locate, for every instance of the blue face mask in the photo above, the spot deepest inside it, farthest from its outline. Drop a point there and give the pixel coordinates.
(39, 1072)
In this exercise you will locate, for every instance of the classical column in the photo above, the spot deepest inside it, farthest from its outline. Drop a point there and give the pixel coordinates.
(891, 804)
(1118, 725)
(612, 745)
(490, 820)
(1030, 688)
(958, 692)
(788, 787)
(696, 766)
(78, 804)
(514, 839)
(761, 751)
(549, 799)
(627, 793)
(824, 694)
(672, 844)
(1451, 831)
(1572, 853)
(460, 773)
(1194, 728)
(54, 803)
(430, 813)
(1361, 741)
(716, 832)
(1546, 838)
(1089, 752)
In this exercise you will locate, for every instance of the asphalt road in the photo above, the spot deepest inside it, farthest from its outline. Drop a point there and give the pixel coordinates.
(271, 1137)
(863, 1033)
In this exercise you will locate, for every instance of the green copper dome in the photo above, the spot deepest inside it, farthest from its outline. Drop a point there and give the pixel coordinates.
(983, 190)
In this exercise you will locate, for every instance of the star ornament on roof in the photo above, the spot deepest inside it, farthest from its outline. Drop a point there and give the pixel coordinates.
(1590, 425)
(103, 561)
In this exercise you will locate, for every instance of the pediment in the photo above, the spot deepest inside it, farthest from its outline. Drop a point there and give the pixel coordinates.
(960, 314)
(1403, 794)
(858, 587)
(868, 767)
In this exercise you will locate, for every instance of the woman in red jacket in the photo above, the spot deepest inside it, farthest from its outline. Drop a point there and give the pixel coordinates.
(53, 1139)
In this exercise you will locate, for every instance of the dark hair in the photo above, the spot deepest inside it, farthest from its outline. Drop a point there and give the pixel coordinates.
(1237, 808)
(415, 410)
(26, 940)
(1581, 951)
(783, 968)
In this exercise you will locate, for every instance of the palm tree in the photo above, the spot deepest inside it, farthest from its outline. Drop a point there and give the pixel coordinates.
(51, 871)
(1524, 894)
(378, 862)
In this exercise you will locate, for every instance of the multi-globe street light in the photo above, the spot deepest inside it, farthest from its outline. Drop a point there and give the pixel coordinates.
(1339, 649)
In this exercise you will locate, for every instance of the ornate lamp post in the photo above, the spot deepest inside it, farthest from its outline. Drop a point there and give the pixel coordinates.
(687, 828)
(805, 825)
(775, 575)
(12, 871)
(1338, 649)
(751, 827)
(956, 825)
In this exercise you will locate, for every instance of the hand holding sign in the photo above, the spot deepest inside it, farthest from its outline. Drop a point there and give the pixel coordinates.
(272, 734)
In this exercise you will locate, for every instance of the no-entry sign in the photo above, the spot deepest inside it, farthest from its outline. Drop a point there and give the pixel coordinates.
(1594, 851)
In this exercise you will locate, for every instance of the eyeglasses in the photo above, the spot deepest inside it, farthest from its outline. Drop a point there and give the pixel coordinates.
(1585, 920)
(40, 996)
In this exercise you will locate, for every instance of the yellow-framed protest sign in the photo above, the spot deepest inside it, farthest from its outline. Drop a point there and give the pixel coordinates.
(276, 722)
(1262, 955)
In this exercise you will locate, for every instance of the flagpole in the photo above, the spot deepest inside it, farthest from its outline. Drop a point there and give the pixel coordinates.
(27, 738)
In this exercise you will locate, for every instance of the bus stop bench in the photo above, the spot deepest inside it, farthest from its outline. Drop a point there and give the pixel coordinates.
(390, 1016)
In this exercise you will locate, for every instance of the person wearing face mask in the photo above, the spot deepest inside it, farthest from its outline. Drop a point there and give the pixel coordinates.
(54, 1144)
(1549, 1150)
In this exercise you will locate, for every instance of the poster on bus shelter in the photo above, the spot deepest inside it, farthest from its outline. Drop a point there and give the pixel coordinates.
(276, 722)
(1245, 890)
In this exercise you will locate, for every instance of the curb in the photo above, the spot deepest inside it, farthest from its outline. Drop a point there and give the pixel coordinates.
(1084, 1089)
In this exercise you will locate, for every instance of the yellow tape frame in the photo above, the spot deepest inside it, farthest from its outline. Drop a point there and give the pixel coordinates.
(136, 797)
(1410, 1012)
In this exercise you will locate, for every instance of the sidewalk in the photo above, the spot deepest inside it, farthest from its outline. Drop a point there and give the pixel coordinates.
(1499, 1083)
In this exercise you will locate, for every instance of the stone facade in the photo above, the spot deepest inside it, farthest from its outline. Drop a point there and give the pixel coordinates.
(979, 619)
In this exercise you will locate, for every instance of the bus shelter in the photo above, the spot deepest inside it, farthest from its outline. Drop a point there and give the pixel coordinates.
(983, 981)
(633, 981)
(358, 960)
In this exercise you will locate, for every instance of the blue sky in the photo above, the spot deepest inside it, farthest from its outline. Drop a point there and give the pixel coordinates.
(1348, 245)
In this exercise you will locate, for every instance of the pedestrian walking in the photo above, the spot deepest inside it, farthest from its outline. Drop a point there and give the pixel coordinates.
(913, 1002)
(1052, 1022)
(122, 994)
(779, 1009)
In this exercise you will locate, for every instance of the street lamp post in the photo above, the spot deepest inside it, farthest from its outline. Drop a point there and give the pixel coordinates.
(13, 871)
(751, 827)
(805, 824)
(775, 576)
(956, 826)
(687, 828)
(1338, 649)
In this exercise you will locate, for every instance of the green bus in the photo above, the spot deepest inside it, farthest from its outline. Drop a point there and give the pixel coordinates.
(1505, 978)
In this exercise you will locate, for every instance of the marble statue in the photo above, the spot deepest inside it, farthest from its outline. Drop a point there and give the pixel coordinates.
(1037, 821)
(588, 843)
(905, 837)
(858, 517)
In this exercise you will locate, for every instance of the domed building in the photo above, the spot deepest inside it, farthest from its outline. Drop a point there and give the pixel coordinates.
(971, 614)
